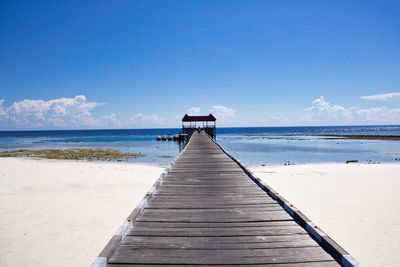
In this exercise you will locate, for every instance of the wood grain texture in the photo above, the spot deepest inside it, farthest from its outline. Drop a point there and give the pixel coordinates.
(207, 211)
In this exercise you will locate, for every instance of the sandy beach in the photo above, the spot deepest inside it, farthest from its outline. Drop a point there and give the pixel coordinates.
(62, 213)
(355, 204)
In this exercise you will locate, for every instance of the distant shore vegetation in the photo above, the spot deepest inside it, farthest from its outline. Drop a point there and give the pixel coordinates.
(342, 136)
(72, 154)
(362, 137)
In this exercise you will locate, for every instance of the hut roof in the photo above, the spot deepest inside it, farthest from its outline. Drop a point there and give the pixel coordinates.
(198, 118)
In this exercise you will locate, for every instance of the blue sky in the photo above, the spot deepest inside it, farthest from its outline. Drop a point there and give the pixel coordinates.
(135, 64)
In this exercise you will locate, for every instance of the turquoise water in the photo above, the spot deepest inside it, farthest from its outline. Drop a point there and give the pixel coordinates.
(308, 149)
(251, 145)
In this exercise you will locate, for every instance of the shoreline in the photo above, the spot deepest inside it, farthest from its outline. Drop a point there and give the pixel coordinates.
(162, 165)
(361, 163)
(87, 161)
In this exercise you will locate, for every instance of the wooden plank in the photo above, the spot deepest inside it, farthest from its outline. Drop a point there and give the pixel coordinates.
(211, 240)
(127, 254)
(216, 225)
(216, 212)
(218, 240)
(212, 220)
(212, 211)
(111, 246)
(218, 232)
(204, 200)
(200, 227)
(299, 264)
(226, 205)
(189, 244)
(228, 196)
(210, 216)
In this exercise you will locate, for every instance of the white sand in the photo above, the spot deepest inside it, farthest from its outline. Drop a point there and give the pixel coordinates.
(358, 205)
(62, 213)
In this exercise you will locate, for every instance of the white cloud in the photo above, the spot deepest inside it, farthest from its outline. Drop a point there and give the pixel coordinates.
(380, 114)
(222, 112)
(148, 121)
(193, 111)
(3, 114)
(71, 113)
(110, 120)
(59, 113)
(383, 97)
(280, 118)
(321, 110)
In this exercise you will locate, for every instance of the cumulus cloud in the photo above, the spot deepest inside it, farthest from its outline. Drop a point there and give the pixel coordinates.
(148, 121)
(322, 110)
(193, 111)
(73, 112)
(60, 113)
(110, 120)
(222, 112)
(380, 115)
(383, 97)
(3, 113)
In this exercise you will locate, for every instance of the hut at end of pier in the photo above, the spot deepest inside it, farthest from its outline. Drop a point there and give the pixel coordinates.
(198, 123)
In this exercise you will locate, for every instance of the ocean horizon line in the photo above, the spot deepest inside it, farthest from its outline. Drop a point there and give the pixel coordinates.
(218, 127)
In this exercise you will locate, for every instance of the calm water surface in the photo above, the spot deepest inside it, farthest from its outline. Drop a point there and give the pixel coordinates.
(251, 145)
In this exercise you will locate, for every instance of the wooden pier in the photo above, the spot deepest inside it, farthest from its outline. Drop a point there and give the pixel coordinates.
(207, 209)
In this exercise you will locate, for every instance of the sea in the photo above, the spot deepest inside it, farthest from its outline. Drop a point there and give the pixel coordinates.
(251, 145)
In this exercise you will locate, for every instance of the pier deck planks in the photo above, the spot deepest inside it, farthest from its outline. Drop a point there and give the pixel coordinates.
(207, 211)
